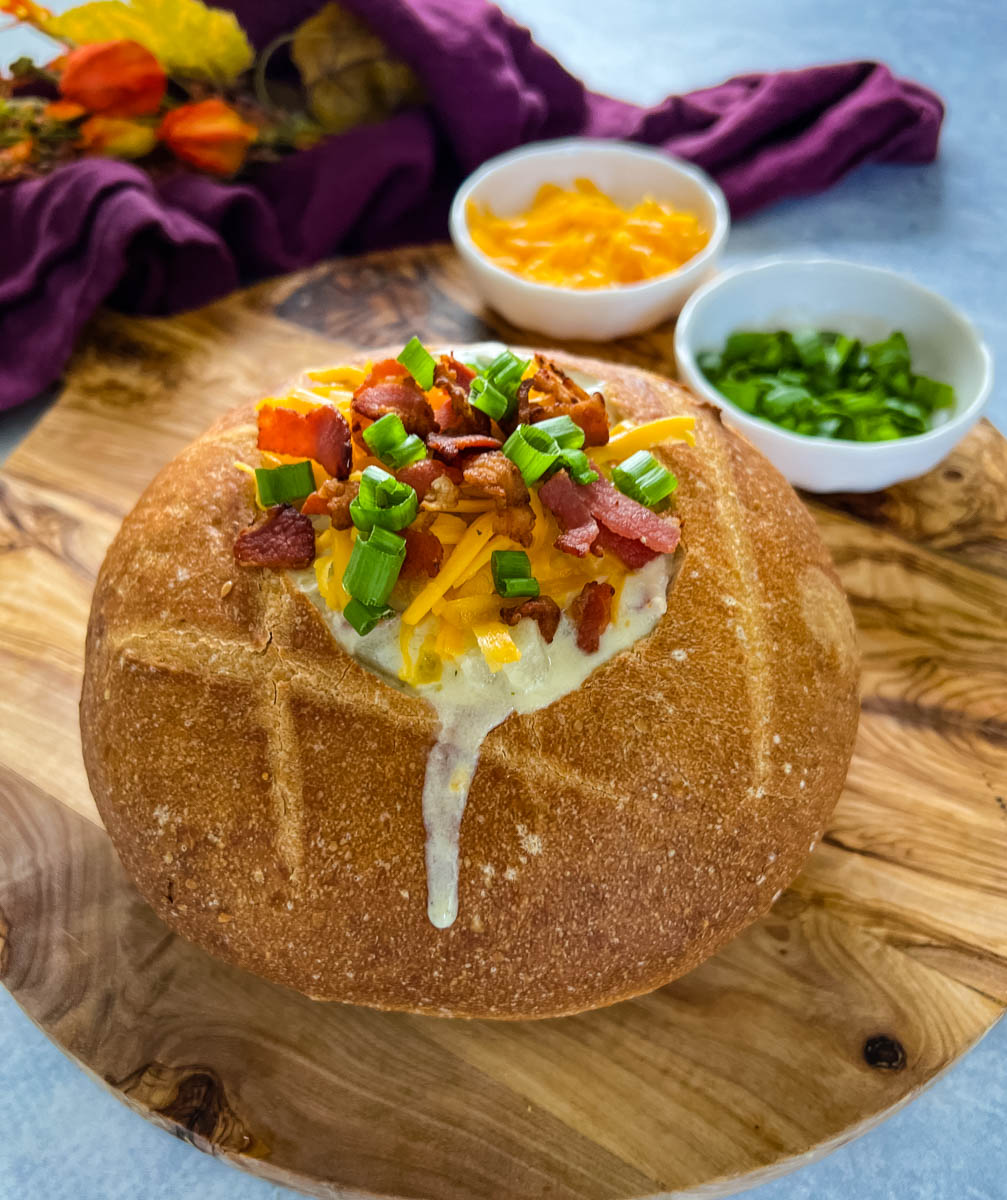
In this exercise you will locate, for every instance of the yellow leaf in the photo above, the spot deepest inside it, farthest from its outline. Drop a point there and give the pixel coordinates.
(189, 39)
(347, 71)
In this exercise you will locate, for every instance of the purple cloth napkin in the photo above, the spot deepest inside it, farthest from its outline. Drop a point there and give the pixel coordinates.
(100, 231)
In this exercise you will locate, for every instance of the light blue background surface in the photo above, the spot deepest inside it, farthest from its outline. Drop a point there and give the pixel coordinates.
(61, 1136)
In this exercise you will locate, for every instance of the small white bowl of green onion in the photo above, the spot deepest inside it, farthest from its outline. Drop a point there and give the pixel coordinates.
(848, 378)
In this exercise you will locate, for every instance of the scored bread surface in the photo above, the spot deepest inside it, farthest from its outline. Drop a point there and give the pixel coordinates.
(264, 790)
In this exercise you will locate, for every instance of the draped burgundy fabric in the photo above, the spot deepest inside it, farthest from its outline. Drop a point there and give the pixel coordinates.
(100, 231)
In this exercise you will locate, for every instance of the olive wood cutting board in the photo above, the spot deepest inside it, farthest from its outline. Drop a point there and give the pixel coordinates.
(884, 962)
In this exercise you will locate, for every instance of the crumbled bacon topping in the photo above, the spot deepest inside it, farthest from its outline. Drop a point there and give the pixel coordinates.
(516, 523)
(450, 449)
(421, 475)
(494, 476)
(390, 388)
(424, 554)
(333, 500)
(563, 397)
(563, 498)
(628, 518)
(457, 417)
(592, 610)
(542, 609)
(321, 434)
(282, 539)
(633, 554)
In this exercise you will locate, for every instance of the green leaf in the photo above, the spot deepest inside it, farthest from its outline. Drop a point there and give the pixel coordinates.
(189, 39)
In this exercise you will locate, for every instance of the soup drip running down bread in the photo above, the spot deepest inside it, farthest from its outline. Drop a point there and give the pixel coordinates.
(471, 682)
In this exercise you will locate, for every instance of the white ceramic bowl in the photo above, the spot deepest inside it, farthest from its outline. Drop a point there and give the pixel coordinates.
(863, 302)
(626, 172)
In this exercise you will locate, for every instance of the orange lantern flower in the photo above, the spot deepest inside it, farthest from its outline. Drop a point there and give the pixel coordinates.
(209, 135)
(117, 137)
(116, 79)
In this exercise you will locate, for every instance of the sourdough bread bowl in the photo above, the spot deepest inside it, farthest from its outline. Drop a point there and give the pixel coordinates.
(263, 787)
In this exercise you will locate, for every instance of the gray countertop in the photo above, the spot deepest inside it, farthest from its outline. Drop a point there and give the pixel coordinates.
(64, 1137)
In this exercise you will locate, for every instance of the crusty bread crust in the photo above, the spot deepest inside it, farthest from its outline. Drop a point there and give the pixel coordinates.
(264, 790)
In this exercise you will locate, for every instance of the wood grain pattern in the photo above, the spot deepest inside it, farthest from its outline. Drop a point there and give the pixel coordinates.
(883, 963)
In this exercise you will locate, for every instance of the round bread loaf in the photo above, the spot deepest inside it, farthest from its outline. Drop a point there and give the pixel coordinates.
(264, 790)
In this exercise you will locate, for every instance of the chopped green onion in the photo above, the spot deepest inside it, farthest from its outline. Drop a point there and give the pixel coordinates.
(363, 617)
(578, 464)
(419, 362)
(284, 484)
(643, 478)
(387, 440)
(383, 501)
(505, 371)
(567, 434)
(509, 588)
(824, 384)
(512, 574)
(532, 451)
(485, 396)
(374, 566)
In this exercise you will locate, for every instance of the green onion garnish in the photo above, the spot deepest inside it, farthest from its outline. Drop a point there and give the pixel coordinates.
(363, 617)
(567, 434)
(285, 484)
(374, 566)
(387, 439)
(383, 501)
(644, 479)
(488, 398)
(532, 451)
(578, 464)
(512, 574)
(825, 384)
(418, 361)
(505, 371)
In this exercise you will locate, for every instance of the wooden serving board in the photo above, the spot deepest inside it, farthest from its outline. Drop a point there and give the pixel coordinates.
(884, 962)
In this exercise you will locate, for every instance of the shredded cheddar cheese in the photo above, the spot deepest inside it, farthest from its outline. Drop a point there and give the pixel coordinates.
(581, 238)
(478, 535)
(496, 644)
(646, 437)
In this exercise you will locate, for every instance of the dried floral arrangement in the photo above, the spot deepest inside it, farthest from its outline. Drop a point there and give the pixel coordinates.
(168, 81)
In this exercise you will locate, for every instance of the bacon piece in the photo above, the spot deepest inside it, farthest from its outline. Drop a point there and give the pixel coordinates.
(542, 609)
(564, 500)
(390, 388)
(457, 417)
(321, 434)
(516, 523)
(633, 554)
(424, 554)
(333, 500)
(566, 398)
(450, 449)
(495, 476)
(283, 538)
(628, 518)
(421, 475)
(592, 610)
